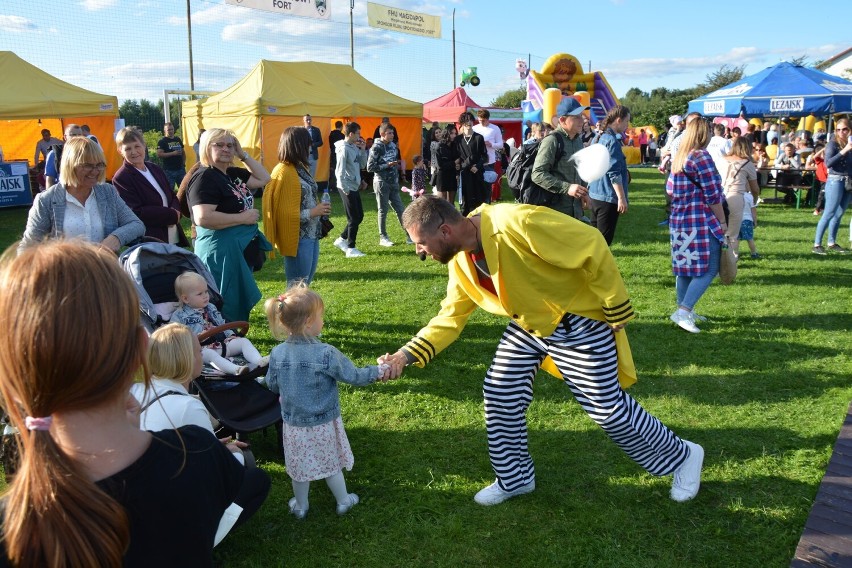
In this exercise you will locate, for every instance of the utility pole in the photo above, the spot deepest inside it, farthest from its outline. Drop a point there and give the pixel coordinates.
(351, 34)
(189, 38)
(454, 48)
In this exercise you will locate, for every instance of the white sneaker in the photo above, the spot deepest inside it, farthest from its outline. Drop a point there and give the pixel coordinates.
(354, 253)
(685, 321)
(698, 318)
(385, 242)
(341, 244)
(687, 478)
(351, 501)
(493, 495)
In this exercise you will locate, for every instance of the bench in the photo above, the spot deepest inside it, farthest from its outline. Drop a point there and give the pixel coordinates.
(827, 538)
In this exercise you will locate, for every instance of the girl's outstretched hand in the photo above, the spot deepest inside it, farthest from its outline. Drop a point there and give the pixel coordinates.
(396, 363)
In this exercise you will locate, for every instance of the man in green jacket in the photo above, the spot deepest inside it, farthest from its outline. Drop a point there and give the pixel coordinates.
(560, 176)
(567, 311)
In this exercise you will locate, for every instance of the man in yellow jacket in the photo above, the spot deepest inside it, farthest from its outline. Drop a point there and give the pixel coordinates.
(556, 279)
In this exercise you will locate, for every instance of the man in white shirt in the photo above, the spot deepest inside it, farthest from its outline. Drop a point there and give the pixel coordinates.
(493, 144)
(719, 147)
(491, 134)
(45, 145)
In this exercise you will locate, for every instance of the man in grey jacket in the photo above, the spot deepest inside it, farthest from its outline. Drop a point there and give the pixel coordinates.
(383, 162)
(351, 159)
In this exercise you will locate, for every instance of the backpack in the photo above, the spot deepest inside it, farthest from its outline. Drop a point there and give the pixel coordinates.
(57, 150)
(519, 174)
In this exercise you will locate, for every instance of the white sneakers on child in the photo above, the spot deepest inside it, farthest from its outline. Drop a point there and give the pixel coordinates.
(340, 243)
(493, 495)
(385, 242)
(687, 478)
(353, 253)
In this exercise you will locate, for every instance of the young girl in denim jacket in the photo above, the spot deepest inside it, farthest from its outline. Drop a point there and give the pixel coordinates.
(305, 372)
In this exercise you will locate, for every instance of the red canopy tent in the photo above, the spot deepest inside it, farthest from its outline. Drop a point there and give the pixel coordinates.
(447, 108)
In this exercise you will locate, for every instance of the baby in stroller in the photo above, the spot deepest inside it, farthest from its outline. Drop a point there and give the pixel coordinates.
(198, 314)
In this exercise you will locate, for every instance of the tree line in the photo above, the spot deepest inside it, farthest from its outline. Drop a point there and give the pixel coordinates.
(656, 107)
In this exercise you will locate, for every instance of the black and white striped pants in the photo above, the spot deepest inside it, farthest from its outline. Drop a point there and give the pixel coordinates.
(584, 351)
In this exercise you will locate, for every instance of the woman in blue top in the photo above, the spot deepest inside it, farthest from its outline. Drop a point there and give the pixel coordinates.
(305, 372)
(609, 194)
(839, 164)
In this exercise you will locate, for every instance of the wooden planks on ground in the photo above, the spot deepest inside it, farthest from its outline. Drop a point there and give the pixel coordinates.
(827, 538)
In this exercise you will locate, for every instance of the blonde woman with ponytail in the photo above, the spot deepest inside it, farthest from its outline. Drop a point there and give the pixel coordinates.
(90, 488)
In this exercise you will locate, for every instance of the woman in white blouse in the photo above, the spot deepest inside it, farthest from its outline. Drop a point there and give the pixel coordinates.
(81, 205)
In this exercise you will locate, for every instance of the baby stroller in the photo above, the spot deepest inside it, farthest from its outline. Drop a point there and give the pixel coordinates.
(239, 403)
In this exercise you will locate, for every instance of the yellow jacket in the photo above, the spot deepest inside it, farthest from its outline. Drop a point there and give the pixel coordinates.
(282, 201)
(544, 265)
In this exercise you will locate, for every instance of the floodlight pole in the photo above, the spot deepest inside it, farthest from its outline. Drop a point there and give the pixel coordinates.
(454, 48)
(351, 34)
(189, 39)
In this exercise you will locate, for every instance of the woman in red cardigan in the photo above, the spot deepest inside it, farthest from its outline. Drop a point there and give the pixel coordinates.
(145, 189)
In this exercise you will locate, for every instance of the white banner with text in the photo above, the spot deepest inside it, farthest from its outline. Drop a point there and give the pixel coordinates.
(405, 21)
(306, 8)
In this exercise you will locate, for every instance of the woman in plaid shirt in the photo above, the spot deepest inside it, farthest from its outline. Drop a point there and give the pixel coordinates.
(697, 222)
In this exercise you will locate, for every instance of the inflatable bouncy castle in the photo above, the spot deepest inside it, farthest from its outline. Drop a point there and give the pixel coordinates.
(564, 73)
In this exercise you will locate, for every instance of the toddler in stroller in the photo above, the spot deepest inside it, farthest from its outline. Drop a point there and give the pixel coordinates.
(198, 314)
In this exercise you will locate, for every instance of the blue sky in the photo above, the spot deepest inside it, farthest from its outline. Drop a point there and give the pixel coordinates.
(135, 49)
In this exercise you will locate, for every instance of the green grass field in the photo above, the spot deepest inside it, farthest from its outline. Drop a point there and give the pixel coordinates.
(764, 388)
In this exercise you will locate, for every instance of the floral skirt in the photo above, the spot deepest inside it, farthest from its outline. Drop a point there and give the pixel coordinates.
(316, 452)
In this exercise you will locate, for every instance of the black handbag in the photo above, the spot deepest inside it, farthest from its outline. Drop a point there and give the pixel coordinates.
(325, 226)
(254, 255)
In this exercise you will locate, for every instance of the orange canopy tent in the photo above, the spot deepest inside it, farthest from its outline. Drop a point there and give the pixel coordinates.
(32, 100)
(276, 94)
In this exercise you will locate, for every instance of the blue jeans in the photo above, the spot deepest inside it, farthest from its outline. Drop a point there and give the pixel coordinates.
(691, 288)
(174, 177)
(387, 196)
(303, 266)
(836, 202)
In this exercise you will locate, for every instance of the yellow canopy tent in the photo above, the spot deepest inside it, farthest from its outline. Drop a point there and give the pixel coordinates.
(276, 94)
(31, 100)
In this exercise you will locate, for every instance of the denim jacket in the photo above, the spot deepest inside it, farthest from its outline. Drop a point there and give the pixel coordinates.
(305, 372)
(602, 189)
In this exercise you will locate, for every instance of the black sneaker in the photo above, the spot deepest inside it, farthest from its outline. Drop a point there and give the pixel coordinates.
(819, 250)
(837, 248)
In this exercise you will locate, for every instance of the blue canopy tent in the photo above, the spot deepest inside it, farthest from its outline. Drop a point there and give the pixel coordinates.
(783, 90)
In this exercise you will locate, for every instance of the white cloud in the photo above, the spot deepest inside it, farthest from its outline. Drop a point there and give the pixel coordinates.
(754, 58)
(303, 39)
(16, 24)
(95, 5)
(148, 80)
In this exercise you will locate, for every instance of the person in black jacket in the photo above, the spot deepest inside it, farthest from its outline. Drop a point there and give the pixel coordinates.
(472, 154)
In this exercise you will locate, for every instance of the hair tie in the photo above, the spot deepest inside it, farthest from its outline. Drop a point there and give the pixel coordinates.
(38, 423)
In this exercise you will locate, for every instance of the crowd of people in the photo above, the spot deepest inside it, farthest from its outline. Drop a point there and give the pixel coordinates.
(63, 271)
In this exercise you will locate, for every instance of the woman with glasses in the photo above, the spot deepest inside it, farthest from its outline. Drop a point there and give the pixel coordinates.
(839, 163)
(146, 189)
(81, 205)
(221, 204)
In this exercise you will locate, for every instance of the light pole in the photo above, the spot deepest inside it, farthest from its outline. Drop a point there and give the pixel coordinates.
(189, 38)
